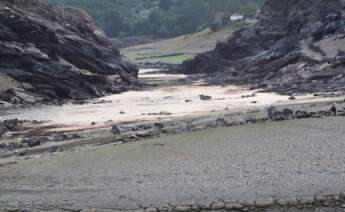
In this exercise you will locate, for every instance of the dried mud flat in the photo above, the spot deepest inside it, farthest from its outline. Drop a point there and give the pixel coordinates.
(264, 165)
(165, 97)
(269, 166)
(168, 104)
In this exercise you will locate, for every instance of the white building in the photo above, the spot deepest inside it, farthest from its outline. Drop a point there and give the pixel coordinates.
(236, 17)
(144, 13)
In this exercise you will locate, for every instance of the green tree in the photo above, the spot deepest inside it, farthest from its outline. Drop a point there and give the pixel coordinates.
(250, 10)
(112, 23)
(167, 18)
(165, 4)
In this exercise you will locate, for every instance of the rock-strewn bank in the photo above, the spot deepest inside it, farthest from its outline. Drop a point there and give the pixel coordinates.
(296, 46)
(195, 171)
(302, 204)
(35, 139)
(54, 53)
(158, 65)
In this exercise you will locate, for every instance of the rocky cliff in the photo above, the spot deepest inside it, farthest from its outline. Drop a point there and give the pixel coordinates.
(54, 53)
(296, 46)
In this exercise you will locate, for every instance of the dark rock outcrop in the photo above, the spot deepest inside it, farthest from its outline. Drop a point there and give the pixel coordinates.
(54, 53)
(296, 46)
(8, 125)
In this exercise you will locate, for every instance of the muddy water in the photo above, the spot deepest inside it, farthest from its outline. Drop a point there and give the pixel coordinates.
(168, 95)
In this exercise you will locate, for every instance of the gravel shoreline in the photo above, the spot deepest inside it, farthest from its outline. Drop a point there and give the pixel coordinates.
(137, 131)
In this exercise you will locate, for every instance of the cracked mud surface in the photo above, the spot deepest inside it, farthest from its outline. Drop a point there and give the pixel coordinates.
(280, 160)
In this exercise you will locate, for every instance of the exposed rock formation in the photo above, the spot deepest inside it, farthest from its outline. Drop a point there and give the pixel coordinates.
(296, 46)
(54, 53)
(8, 125)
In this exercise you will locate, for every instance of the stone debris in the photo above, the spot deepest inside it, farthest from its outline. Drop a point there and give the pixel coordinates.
(264, 202)
(162, 113)
(217, 206)
(248, 96)
(133, 132)
(233, 206)
(156, 129)
(205, 97)
(261, 204)
(102, 102)
(292, 98)
(275, 115)
(35, 141)
(8, 125)
(183, 208)
(151, 210)
(334, 109)
(125, 133)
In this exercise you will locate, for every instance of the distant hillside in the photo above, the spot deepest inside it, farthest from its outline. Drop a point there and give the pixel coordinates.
(161, 18)
(178, 49)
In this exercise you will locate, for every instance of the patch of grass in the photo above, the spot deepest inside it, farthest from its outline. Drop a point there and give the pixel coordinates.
(176, 50)
(171, 59)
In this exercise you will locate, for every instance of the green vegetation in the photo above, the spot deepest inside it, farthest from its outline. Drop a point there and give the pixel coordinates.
(178, 49)
(170, 58)
(161, 18)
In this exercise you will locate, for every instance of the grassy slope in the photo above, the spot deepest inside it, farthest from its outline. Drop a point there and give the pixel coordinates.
(176, 50)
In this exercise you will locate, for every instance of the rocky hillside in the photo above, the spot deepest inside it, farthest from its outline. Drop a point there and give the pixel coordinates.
(54, 53)
(296, 46)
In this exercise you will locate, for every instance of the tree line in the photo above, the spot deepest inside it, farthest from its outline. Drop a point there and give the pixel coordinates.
(161, 18)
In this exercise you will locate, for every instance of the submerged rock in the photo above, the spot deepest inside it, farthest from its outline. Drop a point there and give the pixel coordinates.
(296, 46)
(55, 53)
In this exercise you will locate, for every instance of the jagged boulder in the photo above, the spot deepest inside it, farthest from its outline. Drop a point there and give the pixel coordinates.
(8, 125)
(54, 53)
(296, 46)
